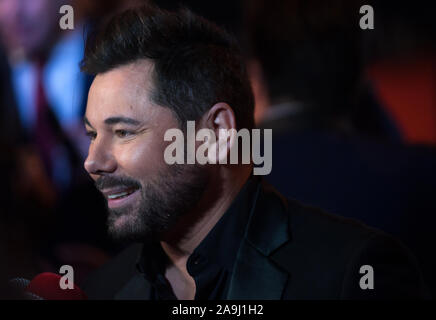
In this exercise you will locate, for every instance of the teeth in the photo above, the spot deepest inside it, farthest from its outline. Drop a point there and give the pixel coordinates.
(118, 195)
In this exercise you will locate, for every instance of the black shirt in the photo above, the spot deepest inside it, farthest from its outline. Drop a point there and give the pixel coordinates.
(212, 262)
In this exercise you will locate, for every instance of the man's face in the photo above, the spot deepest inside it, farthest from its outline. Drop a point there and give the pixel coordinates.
(145, 196)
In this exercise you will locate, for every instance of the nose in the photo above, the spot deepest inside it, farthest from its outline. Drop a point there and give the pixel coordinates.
(100, 159)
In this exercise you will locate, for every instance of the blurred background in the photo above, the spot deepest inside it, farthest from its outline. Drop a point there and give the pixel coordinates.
(353, 114)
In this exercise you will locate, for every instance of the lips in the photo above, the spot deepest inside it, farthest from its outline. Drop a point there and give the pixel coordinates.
(117, 197)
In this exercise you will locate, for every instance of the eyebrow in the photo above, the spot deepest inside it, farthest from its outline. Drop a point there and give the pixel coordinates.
(85, 119)
(114, 120)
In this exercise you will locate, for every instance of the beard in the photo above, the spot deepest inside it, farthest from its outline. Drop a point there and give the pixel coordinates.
(163, 200)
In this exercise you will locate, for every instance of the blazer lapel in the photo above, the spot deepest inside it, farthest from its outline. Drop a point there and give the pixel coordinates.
(255, 275)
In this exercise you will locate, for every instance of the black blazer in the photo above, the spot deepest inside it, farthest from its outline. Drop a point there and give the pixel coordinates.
(387, 186)
(290, 251)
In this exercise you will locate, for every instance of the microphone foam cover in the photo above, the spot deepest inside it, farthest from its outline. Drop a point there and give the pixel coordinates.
(47, 286)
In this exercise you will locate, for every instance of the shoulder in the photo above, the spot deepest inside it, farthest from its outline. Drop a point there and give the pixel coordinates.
(311, 224)
(327, 256)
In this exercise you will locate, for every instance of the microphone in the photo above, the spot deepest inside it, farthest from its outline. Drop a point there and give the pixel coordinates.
(45, 286)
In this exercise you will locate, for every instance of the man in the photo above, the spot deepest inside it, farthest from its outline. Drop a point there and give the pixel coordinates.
(310, 66)
(48, 89)
(211, 231)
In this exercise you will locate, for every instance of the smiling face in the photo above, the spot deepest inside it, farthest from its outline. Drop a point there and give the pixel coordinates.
(145, 196)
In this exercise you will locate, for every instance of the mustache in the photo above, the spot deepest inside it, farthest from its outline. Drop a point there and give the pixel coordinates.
(106, 182)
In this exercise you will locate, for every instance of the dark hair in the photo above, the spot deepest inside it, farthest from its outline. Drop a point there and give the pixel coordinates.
(196, 64)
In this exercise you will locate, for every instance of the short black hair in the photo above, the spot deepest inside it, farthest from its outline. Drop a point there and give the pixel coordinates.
(195, 63)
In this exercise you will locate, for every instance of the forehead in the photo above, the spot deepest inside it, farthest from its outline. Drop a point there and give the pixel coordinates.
(123, 91)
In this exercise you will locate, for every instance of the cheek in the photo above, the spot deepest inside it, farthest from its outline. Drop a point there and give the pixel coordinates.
(141, 158)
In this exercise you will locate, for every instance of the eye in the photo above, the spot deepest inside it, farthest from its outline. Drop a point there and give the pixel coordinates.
(123, 133)
(91, 134)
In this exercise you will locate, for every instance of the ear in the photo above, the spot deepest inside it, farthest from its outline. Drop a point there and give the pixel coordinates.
(221, 120)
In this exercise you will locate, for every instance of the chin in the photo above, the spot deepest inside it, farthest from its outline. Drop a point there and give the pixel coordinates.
(125, 228)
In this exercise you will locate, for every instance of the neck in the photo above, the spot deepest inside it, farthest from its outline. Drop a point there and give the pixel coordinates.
(186, 236)
(189, 233)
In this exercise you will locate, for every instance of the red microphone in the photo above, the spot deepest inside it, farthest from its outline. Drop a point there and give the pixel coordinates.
(46, 286)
